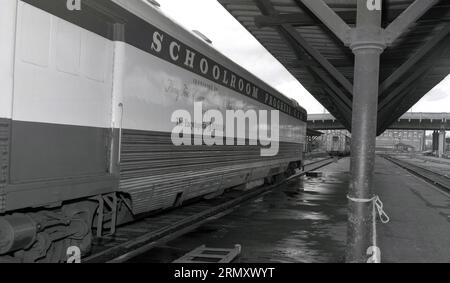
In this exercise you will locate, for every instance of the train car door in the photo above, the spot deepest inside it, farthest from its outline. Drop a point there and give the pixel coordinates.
(61, 112)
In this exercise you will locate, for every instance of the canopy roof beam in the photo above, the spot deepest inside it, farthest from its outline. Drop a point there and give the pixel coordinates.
(414, 59)
(328, 17)
(335, 73)
(419, 71)
(300, 19)
(303, 51)
(401, 24)
(345, 101)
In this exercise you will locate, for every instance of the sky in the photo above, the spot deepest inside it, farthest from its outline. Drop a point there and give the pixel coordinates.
(233, 40)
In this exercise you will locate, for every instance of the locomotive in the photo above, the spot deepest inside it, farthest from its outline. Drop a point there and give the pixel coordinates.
(86, 98)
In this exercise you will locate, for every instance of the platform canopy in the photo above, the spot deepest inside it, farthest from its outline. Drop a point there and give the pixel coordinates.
(311, 37)
(313, 133)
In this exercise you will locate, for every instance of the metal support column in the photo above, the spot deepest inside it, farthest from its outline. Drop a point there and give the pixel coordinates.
(367, 45)
(423, 141)
(435, 145)
(441, 148)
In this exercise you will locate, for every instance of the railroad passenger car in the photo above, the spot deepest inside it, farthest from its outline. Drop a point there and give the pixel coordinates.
(86, 101)
(337, 142)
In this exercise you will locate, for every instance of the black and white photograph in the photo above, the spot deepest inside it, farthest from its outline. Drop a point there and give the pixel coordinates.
(216, 140)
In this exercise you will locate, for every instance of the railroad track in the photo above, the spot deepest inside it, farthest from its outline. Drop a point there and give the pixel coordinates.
(137, 238)
(430, 176)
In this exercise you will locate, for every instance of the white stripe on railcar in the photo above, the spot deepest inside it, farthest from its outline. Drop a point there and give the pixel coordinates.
(63, 73)
(7, 45)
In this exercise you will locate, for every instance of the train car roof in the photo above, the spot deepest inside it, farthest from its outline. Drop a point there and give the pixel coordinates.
(144, 9)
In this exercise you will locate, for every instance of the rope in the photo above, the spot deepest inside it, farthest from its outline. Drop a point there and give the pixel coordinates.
(384, 218)
(377, 208)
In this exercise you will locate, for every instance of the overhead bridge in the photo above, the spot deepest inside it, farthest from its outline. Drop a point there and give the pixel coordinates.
(409, 121)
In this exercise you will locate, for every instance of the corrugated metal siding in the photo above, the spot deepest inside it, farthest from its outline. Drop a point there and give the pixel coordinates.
(154, 171)
(4, 160)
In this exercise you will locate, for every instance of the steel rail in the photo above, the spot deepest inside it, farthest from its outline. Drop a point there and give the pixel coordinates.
(434, 178)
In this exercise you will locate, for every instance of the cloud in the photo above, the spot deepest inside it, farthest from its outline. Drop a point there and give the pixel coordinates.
(437, 95)
(437, 100)
(440, 92)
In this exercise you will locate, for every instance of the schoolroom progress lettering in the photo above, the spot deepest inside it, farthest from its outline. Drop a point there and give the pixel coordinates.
(165, 46)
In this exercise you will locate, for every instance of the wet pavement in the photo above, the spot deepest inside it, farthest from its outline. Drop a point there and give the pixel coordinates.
(303, 220)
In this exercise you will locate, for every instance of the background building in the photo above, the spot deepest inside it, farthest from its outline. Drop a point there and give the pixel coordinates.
(409, 140)
(391, 140)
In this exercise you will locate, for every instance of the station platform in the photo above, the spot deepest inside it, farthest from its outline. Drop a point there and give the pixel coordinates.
(420, 217)
(304, 220)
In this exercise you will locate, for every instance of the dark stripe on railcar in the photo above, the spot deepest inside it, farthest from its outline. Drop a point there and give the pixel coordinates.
(5, 133)
(42, 164)
(43, 151)
(113, 22)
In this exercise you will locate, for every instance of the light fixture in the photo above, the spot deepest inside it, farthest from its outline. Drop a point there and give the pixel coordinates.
(153, 2)
(202, 36)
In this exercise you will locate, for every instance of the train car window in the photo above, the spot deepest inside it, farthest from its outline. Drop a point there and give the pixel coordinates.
(35, 36)
(68, 47)
(93, 63)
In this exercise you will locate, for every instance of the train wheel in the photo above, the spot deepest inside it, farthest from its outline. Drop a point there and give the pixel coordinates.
(279, 178)
(45, 236)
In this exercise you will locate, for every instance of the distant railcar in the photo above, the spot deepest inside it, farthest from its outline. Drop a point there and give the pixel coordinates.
(337, 144)
(86, 98)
